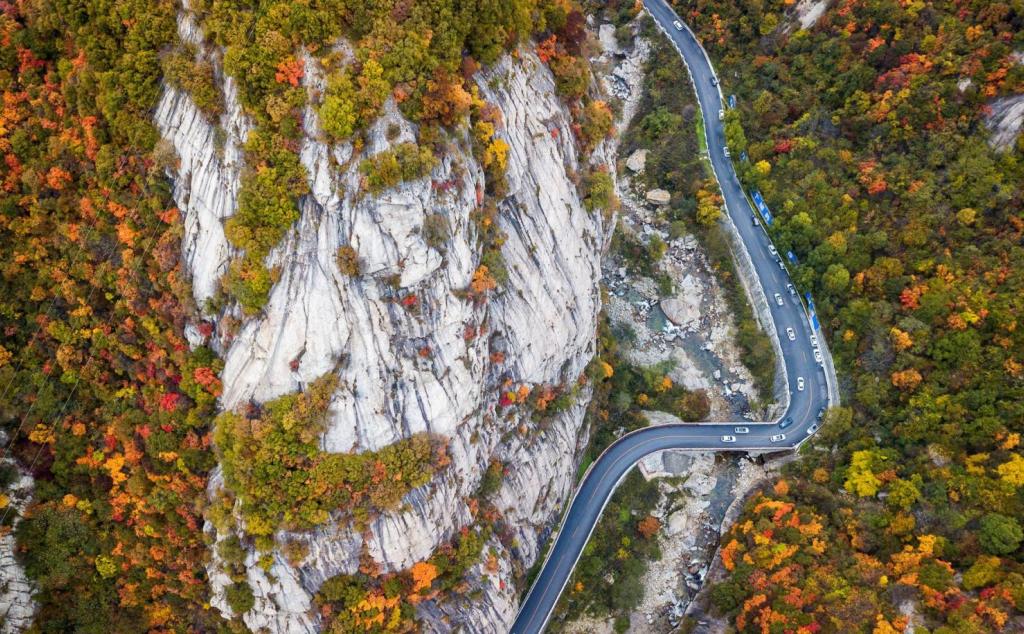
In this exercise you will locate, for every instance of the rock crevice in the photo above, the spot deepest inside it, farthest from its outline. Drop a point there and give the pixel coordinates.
(319, 320)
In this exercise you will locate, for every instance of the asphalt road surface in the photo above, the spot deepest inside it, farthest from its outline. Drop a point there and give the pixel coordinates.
(798, 355)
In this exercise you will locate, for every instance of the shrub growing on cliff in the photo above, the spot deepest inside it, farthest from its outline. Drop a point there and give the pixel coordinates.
(488, 148)
(232, 552)
(386, 603)
(265, 211)
(266, 198)
(249, 282)
(436, 230)
(485, 219)
(600, 192)
(194, 78)
(596, 124)
(404, 162)
(572, 75)
(240, 597)
(338, 112)
(273, 465)
(348, 261)
(491, 480)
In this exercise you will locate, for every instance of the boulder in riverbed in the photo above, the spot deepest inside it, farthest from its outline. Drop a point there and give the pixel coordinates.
(658, 197)
(681, 311)
(637, 161)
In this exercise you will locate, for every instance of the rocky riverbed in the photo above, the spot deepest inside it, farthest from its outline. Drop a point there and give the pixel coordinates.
(692, 328)
(700, 495)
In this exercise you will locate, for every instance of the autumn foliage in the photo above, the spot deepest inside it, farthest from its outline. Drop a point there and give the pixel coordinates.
(290, 71)
(102, 396)
(906, 224)
(785, 562)
(482, 281)
(377, 603)
(104, 399)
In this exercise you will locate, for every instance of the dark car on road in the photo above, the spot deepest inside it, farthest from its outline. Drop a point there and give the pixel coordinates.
(786, 422)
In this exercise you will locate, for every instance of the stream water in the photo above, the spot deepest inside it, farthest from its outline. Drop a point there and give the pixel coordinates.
(721, 496)
(694, 344)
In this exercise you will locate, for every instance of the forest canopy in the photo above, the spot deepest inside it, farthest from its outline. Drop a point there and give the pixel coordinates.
(866, 133)
(103, 399)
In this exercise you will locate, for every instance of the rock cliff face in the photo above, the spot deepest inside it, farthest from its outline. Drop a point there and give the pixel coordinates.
(1005, 121)
(318, 320)
(16, 604)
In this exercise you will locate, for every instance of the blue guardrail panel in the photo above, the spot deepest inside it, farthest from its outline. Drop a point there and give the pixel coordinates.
(762, 207)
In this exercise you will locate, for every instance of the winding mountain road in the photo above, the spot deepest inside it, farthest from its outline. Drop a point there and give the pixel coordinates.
(788, 314)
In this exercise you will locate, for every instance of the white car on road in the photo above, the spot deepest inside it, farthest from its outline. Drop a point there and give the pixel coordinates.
(799, 384)
(814, 340)
(792, 289)
(728, 438)
(725, 150)
(791, 334)
(678, 25)
(813, 428)
(817, 356)
(778, 437)
(778, 299)
(771, 249)
(721, 115)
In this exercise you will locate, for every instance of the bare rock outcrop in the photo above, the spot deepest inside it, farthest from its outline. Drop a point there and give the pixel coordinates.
(659, 197)
(319, 320)
(1005, 120)
(17, 607)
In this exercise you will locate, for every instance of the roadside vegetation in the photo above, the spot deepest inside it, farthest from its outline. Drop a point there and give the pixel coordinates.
(623, 390)
(866, 136)
(664, 124)
(606, 582)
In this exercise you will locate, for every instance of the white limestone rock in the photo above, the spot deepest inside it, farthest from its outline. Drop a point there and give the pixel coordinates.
(606, 36)
(808, 12)
(318, 320)
(1005, 120)
(206, 181)
(682, 310)
(659, 197)
(637, 161)
(16, 603)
